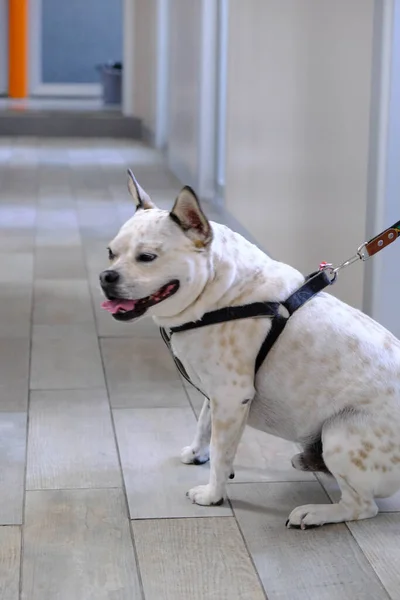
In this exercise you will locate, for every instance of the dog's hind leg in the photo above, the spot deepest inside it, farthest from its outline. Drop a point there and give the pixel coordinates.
(199, 450)
(350, 456)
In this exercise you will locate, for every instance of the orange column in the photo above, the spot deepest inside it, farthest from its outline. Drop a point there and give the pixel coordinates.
(18, 48)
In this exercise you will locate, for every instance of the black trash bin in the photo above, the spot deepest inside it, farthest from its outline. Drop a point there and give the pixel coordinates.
(111, 81)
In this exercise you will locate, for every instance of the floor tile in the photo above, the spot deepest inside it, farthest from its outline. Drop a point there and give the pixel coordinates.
(156, 481)
(18, 214)
(14, 374)
(65, 357)
(17, 267)
(64, 239)
(96, 258)
(378, 538)
(51, 217)
(10, 550)
(77, 545)
(61, 302)
(56, 263)
(317, 564)
(96, 218)
(141, 373)
(200, 559)
(15, 309)
(71, 441)
(12, 467)
(17, 239)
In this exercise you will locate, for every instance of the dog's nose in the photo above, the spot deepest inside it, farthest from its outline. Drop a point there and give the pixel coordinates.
(108, 277)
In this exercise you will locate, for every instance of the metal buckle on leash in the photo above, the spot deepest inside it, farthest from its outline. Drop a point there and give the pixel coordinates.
(361, 254)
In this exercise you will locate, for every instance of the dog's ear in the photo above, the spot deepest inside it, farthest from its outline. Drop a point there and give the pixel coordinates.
(141, 199)
(188, 215)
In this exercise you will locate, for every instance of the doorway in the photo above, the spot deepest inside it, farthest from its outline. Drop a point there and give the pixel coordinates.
(68, 41)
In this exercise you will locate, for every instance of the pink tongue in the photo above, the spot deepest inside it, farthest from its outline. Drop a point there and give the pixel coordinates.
(113, 306)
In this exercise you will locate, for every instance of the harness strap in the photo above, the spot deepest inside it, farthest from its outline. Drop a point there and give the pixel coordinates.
(278, 325)
(313, 284)
(231, 313)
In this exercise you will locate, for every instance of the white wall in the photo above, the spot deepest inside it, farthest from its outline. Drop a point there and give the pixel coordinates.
(298, 105)
(192, 92)
(184, 87)
(171, 83)
(3, 46)
(145, 64)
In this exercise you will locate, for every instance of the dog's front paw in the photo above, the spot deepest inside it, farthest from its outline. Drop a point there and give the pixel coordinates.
(315, 515)
(205, 496)
(193, 456)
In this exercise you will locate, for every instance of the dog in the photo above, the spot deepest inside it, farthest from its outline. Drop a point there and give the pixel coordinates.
(331, 382)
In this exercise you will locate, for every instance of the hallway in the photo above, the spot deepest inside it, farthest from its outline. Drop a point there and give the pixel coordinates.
(93, 416)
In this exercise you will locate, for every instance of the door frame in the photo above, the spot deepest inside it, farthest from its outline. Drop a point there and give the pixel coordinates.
(162, 77)
(382, 287)
(206, 119)
(36, 85)
(3, 47)
(222, 73)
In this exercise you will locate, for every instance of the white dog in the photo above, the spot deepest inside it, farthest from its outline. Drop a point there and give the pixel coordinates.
(330, 383)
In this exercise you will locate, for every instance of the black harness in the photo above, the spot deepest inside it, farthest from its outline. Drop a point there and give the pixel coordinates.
(313, 284)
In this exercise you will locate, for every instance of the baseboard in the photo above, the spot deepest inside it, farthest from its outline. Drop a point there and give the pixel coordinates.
(67, 90)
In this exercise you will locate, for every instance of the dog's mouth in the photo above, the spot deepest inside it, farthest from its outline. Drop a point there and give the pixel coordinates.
(126, 310)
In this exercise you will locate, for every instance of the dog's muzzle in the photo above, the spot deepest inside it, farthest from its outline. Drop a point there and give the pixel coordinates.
(127, 309)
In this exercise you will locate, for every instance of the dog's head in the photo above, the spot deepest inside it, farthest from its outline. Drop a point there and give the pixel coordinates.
(159, 261)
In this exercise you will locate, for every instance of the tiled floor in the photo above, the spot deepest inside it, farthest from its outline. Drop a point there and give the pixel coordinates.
(93, 416)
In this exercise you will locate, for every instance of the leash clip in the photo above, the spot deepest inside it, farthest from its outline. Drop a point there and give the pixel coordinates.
(361, 254)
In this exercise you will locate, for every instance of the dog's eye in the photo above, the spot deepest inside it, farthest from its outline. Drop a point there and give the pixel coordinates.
(111, 255)
(146, 257)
